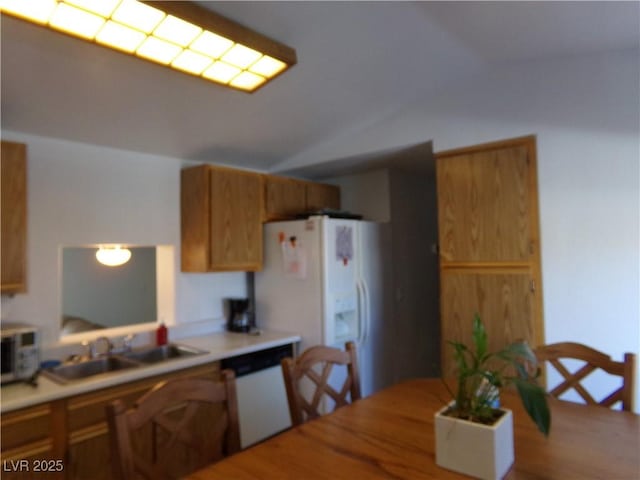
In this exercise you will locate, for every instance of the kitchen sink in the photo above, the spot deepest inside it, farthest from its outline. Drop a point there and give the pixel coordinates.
(68, 372)
(111, 364)
(162, 353)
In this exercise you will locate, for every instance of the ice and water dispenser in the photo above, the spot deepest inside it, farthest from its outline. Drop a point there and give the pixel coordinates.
(345, 315)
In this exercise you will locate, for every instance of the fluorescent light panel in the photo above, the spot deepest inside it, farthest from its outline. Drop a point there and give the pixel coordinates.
(160, 35)
(121, 37)
(104, 8)
(138, 15)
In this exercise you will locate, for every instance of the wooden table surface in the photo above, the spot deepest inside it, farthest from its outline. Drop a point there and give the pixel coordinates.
(390, 435)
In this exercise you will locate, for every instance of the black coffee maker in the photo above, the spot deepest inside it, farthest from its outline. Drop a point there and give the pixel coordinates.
(239, 317)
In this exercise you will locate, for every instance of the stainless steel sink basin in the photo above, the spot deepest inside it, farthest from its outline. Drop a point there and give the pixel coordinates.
(66, 373)
(111, 364)
(162, 353)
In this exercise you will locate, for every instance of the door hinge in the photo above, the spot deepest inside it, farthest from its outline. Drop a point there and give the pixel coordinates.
(532, 286)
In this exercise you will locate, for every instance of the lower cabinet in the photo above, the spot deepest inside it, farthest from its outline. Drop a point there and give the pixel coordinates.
(31, 444)
(69, 438)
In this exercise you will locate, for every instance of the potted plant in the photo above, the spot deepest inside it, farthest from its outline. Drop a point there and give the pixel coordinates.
(473, 434)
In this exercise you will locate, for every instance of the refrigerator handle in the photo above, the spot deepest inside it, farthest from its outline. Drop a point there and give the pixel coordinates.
(359, 318)
(363, 311)
(367, 312)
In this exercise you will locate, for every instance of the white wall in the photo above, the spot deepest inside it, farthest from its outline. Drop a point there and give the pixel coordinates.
(586, 115)
(82, 194)
(366, 194)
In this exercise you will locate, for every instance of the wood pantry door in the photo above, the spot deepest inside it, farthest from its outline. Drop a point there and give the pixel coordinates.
(489, 244)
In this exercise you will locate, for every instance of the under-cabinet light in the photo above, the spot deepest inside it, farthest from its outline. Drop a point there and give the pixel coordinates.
(181, 35)
(113, 256)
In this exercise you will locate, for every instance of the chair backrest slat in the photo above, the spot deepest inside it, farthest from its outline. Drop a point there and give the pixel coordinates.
(167, 418)
(593, 360)
(301, 408)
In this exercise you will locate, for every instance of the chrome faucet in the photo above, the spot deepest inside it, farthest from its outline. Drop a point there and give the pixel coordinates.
(127, 342)
(125, 345)
(90, 350)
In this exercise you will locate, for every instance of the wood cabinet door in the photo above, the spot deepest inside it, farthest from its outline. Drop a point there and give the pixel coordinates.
(29, 443)
(13, 206)
(504, 299)
(489, 247)
(236, 227)
(484, 204)
(89, 450)
(195, 218)
(90, 457)
(284, 197)
(220, 219)
(321, 195)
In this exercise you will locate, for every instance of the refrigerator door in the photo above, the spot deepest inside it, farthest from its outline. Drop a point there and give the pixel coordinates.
(375, 352)
(289, 289)
(342, 300)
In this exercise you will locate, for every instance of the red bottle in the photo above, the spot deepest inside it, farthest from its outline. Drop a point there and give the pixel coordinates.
(161, 334)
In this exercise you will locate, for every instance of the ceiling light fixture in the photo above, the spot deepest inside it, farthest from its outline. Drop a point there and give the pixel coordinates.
(180, 35)
(113, 256)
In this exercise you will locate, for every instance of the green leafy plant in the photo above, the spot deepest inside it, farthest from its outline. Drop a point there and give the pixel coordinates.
(482, 374)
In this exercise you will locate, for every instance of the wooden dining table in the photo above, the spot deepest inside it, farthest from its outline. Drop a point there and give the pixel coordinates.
(391, 435)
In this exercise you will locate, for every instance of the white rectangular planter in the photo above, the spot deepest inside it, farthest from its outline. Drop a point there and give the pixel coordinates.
(482, 451)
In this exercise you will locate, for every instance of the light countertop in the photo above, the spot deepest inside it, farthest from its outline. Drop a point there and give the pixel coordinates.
(219, 345)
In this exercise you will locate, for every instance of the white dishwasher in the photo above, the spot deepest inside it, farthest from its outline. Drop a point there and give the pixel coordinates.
(262, 399)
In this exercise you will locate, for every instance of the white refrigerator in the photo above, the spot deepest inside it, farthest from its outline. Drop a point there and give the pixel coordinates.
(324, 278)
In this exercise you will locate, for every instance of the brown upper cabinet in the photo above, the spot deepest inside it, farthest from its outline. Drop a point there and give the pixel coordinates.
(222, 210)
(322, 195)
(286, 197)
(486, 205)
(221, 213)
(13, 206)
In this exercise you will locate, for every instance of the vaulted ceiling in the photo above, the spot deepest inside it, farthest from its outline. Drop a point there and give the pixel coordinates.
(357, 61)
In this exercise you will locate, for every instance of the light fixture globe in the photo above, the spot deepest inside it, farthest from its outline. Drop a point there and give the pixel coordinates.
(113, 256)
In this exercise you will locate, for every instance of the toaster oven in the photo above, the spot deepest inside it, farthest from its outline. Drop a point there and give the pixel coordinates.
(20, 351)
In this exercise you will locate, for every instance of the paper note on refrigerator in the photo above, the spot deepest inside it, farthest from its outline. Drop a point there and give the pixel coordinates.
(344, 243)
(294, 257)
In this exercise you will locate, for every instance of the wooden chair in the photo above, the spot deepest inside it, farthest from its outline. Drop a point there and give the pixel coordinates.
(593, 360)
(315, 364)
(177, 427)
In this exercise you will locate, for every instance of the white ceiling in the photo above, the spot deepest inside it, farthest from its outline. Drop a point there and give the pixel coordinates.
(357, 61)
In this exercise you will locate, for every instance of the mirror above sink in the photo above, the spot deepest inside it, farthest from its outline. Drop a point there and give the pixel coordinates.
(98, 298)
